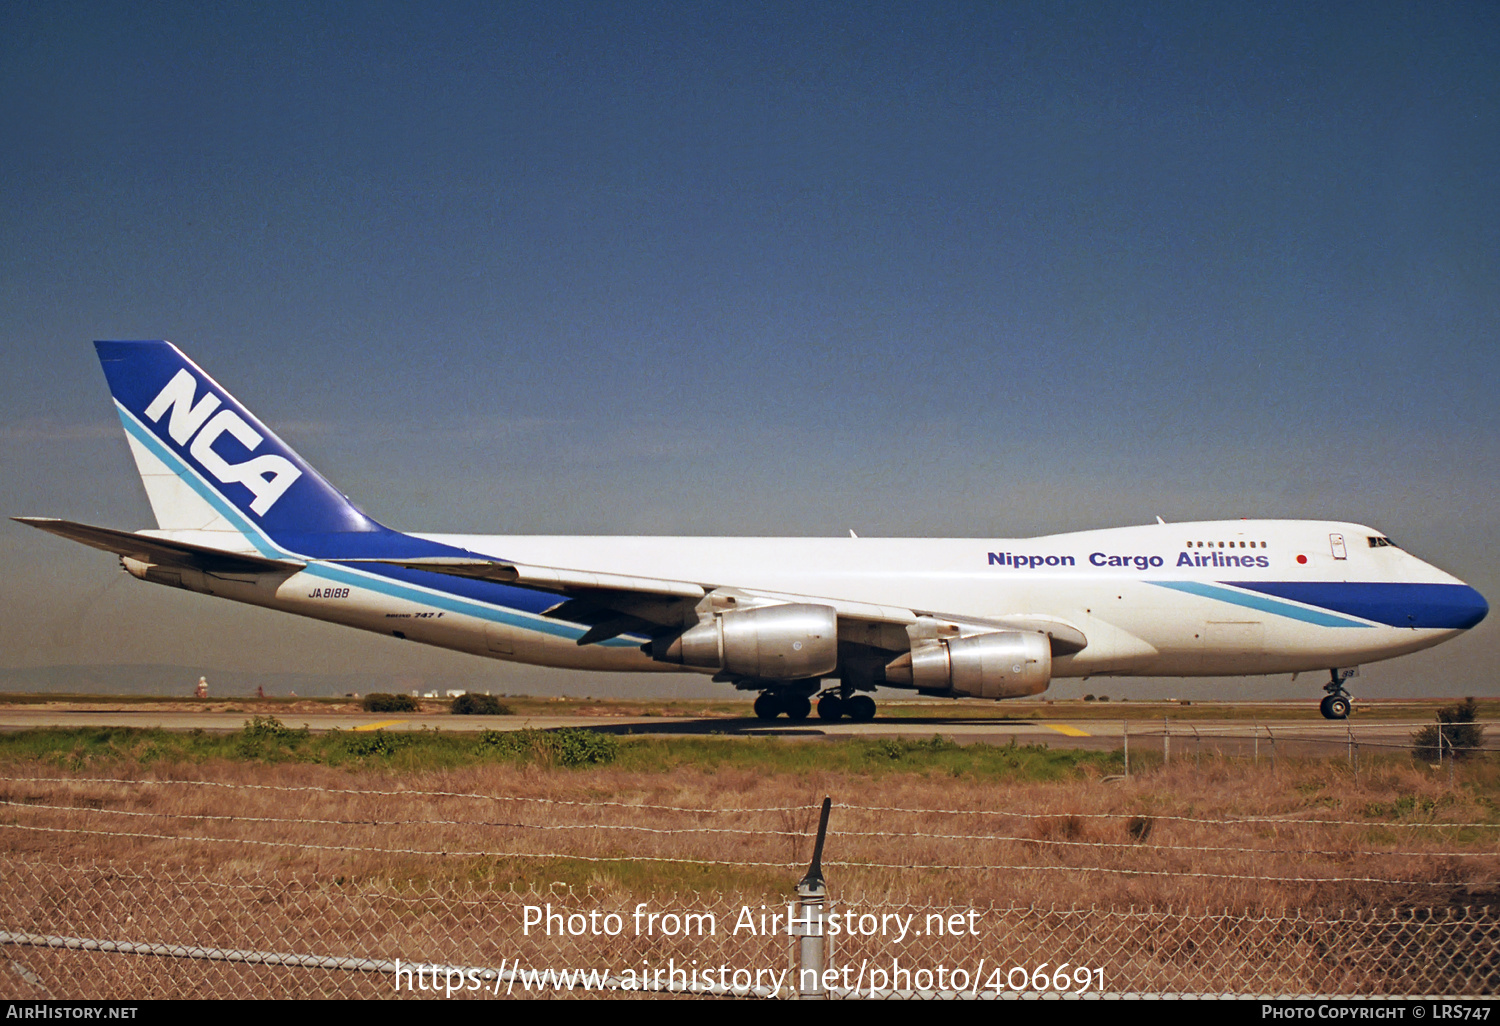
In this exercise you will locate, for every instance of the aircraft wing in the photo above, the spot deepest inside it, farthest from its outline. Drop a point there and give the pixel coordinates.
(614, 604)
(544, 578)
(158, 551)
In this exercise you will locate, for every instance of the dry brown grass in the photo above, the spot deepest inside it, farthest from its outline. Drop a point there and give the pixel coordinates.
(1225, 834)
(305, 858)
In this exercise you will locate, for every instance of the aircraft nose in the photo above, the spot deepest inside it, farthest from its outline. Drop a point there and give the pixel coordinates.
(1445, 606)
(1454, 607)
(1471, 607)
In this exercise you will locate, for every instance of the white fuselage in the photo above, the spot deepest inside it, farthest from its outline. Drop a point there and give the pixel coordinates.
(1163, 599)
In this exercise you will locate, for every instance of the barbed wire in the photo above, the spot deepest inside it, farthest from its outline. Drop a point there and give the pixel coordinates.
(406, 793)
(1285, 820)
(366, 849)
(397, 822)
(845, 899)
(675, 831)
(847, 864)
(1288, 819)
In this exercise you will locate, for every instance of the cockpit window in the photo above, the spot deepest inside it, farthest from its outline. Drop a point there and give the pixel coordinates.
(1377, 542)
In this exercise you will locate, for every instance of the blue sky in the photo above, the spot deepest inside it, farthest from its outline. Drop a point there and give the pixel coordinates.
(938, 269)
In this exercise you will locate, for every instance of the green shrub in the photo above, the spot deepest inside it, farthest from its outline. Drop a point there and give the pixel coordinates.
(568, 747)
(479, 705)
(900, 748)
(1456, 733)
(267, 736)
(376, 742)
(379, 702)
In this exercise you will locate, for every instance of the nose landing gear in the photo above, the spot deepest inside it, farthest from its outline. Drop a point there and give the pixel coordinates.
(1335, 707)
(1338, 703)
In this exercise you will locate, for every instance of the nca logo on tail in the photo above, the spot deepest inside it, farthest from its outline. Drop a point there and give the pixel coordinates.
(268, 477)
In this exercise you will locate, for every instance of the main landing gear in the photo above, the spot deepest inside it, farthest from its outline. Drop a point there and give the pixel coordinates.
(832, 706)
(772, 704)
(1338, 703)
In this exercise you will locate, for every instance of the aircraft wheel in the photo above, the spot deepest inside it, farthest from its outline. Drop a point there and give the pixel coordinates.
(797, 708)
(830, 708)
(861, 708)
(767, 706)
(1335, 707)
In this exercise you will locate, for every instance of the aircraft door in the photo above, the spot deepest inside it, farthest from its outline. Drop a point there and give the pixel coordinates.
(1229, 645)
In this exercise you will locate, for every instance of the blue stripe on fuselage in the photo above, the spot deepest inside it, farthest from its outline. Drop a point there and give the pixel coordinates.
(484, 600)
(1259, 602)
(1440, 606)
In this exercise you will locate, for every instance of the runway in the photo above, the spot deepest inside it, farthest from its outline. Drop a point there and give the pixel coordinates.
(1183, 737)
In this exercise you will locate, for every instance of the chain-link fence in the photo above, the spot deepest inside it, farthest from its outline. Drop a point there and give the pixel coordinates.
(96, 931)
(1440, 743)
(298, 881)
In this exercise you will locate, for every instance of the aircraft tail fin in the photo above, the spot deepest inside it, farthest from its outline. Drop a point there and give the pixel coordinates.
(209, 465)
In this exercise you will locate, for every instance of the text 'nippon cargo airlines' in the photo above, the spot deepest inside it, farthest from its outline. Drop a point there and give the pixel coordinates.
(240, 515)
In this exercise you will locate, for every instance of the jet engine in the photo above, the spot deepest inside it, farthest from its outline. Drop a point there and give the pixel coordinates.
(782, 642)
(1006, 664)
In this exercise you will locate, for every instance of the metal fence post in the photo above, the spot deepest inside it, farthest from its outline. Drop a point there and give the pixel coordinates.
(1125, 731)
(1166, 741)
(812, 895)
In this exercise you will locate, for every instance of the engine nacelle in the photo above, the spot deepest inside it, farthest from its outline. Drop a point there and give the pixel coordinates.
(785, 642)
(1007, 664)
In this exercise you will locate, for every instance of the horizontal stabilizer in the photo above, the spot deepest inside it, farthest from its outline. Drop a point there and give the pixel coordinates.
(159, 551)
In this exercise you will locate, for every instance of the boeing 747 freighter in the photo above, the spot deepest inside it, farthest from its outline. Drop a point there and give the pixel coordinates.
(799, 620)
